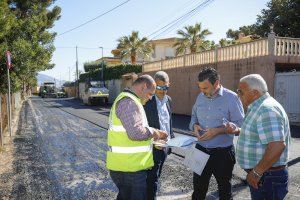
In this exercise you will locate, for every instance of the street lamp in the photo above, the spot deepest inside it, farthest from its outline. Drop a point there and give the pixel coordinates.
(77, 73)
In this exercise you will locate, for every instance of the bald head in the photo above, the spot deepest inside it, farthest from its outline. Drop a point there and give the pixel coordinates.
(144, 87)
(145, 79)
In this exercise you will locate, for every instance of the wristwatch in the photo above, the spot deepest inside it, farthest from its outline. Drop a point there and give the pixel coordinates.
(255, 174)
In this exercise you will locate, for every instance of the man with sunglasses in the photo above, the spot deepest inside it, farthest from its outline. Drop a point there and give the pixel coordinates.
(214, 105)
(159, 115)
(264, 140)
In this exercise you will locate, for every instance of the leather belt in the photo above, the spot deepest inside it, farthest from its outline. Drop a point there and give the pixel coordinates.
(277, 168)
(270, 169)
(207, 150)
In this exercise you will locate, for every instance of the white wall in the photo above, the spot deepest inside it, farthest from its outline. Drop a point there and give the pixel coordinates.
(163, 51)
(114, 87)
(18, 100)
(287, 87)
(82, 88)
(170, 52)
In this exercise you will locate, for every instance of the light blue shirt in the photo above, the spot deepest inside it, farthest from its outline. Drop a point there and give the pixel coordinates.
(209, 113)
(163, 114)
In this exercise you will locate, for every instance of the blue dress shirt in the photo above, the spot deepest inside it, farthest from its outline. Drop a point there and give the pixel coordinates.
(209, 113)
(163, 114)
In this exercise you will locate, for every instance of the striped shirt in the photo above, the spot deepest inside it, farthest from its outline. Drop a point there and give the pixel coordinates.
(163, 114)
(131, 117)
(265, 122)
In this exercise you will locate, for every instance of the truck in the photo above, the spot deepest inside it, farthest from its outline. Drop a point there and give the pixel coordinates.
(95, 92)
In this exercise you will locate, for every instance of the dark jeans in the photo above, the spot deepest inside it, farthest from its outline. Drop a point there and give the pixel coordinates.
(159, 157)
(131, 185)
(220, 164)
(273, 186)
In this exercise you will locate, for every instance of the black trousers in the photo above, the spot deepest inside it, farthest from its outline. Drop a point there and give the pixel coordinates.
(220, 164)
(159, 157)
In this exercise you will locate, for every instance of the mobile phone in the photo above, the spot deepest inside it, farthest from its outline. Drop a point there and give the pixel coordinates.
(201, 132)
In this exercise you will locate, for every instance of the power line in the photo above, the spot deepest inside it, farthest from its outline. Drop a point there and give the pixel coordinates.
(170, 23)
(169, 29)
(180, 19)
(172, 14)
(95, 48)
(94, 18)
(65, 47)
(88, 48)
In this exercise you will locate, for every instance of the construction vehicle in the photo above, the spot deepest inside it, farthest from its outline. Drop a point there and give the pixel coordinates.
(47, 90)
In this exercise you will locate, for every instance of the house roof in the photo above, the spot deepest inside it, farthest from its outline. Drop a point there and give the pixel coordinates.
(165, 40)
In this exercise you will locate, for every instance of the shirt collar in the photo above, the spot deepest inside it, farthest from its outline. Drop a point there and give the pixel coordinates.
(258, 101)
(164, 100)
(220, 92)
(129, 90)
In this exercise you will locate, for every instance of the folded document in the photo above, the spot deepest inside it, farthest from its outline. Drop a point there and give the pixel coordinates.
(196, 160)
(181, 141)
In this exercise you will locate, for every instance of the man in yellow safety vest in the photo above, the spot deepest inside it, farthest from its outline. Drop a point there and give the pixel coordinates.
(130, 140)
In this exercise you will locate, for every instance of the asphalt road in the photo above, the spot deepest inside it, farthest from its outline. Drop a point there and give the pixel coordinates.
(59, 153)
(99, 116)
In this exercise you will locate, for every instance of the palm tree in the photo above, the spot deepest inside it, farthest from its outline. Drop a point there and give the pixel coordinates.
(224, 42)
(132, 47)
(192, 38)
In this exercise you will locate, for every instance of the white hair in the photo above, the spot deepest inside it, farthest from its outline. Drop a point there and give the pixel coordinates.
(161, 75)
(255, 82)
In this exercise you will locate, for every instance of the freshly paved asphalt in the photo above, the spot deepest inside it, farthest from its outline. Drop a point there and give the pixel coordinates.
(98, 115)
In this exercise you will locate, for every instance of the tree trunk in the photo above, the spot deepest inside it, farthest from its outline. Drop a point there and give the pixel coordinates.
(133, 59)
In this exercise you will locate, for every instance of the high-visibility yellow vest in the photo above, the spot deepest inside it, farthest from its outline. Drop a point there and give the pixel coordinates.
(126, 155)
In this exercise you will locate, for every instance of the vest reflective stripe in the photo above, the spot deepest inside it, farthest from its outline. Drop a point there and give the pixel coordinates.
(131, 149)
(117, 128)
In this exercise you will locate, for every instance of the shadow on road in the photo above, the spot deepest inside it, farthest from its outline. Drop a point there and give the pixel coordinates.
(180, 122)
(102, 109)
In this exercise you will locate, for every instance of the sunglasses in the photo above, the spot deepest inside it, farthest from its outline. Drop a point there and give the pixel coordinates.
(162, 87)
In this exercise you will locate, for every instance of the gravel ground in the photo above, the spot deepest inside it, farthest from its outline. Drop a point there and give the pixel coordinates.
(55, 155)
(26, 174)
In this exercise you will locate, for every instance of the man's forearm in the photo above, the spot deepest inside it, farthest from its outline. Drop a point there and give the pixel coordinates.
(271, 156)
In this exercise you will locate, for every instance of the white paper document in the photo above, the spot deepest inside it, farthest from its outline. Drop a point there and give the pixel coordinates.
(195, 160)
(181, 141)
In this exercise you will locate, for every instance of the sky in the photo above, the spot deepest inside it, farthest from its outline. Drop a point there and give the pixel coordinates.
(145, 16)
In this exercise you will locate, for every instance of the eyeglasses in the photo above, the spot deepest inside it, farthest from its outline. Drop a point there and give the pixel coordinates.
(162, 87)
(239, 92)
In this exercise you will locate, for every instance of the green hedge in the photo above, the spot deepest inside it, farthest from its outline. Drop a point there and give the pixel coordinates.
(92, 66)
(110, 73)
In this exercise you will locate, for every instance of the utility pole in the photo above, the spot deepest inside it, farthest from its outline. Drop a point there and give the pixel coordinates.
(102, 67)
(1, 136)
(69, 74)
(8, 57)
(77, 75)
